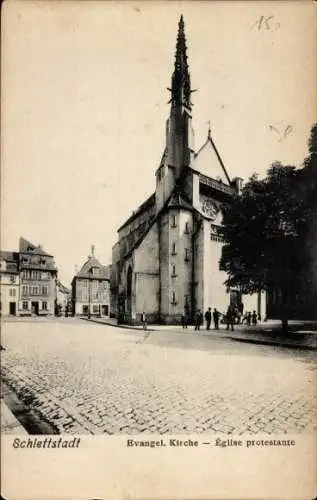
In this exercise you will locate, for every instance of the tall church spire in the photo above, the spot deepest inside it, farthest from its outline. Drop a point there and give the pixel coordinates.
(181, 90)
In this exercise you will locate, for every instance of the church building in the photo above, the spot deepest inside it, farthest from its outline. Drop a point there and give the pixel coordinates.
(166, 260)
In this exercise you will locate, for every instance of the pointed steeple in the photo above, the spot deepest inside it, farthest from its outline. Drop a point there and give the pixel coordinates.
(181, 90)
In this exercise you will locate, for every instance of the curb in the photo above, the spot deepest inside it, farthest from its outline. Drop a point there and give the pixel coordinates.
(272, 343)
(238, 339)
(126, 327)
(9, 423)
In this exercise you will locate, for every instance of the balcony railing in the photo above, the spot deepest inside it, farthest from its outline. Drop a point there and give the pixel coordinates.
(219, 186)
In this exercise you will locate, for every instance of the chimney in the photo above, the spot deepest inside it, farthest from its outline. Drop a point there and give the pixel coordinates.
(237, 183)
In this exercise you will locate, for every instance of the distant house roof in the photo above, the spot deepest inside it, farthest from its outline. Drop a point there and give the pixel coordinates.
(26, 246)
(149, 202)
(92, 262)
(11, 259)
(62, 288)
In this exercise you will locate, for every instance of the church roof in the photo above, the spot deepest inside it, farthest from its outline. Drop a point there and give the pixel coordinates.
(149, 202)
(208, 161)
(177, 201)
(92, 262)
(26, 246)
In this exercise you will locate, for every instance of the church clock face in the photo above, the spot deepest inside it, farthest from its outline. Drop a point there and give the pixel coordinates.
(210, 208)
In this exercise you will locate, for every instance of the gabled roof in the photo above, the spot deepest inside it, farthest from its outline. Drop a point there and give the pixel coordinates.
(92, 262)
(208, 161)
(26, 246)
(177, 201)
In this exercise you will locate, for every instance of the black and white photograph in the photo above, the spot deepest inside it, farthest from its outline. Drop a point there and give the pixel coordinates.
(159, 224)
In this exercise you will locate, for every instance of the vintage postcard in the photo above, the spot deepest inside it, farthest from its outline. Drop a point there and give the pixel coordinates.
(158, 250)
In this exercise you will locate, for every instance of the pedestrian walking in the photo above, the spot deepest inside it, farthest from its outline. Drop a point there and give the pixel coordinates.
(208, 318)
(143, 320)
(249, 318)
(216, 315)
(198, 320)
(254, 318)
(184, 320)
(230, 318)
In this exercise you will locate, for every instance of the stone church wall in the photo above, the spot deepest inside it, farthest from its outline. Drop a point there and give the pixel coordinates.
(215, 294)
(146, 272)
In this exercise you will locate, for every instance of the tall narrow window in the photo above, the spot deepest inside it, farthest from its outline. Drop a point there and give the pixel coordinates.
(173, 271)
(174, 249)
(173, 298)
(186, 228)
(173, 220)
(186, 255)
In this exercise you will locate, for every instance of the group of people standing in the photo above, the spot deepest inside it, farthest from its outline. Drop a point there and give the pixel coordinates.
(199, 319)
(232, 317)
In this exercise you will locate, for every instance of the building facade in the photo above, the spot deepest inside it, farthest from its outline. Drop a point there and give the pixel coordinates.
(28, 281)
(166, 260)
(63, 301)
(10, 283)
(91, 289)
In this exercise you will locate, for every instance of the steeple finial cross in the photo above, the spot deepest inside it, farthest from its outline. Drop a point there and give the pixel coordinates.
(93, 250)
(209, 129)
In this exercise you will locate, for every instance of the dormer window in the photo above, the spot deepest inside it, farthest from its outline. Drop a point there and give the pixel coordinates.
(95, 271)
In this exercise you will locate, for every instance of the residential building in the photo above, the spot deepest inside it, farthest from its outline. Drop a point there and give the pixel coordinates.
(166, 260)
(91, 289)
(9, 283)
(27, 281)
(37, 280)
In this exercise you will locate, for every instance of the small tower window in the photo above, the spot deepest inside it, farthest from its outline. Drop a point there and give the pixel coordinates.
(186, 228)
(186, 255)
(173, 220)
(174, 299)
(174, 249)
(174, 272)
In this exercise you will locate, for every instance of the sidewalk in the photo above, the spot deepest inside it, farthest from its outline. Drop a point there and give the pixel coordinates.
(9, 423)
(266, 333)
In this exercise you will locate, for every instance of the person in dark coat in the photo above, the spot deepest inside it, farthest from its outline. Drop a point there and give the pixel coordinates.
(249, 318)
(254, 318)
(144, 321)
(208, 318)
(184, 319)
(230, 317)
(198, 320)
(216, 315)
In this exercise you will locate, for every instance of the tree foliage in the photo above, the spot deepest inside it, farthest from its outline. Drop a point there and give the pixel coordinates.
(260, 230)
(267, 229)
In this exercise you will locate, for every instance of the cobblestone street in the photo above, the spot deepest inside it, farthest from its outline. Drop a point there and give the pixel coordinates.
(87, 378)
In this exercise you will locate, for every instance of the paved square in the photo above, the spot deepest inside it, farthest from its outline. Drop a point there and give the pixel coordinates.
(88, 378)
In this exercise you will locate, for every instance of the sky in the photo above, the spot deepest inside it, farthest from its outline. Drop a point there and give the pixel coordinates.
(84, 105)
